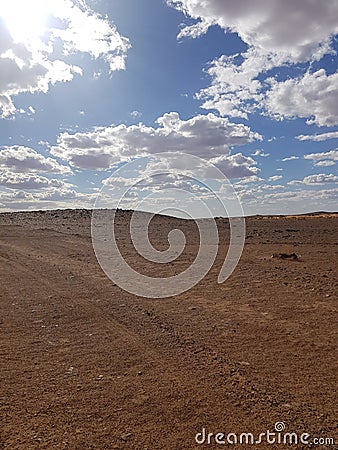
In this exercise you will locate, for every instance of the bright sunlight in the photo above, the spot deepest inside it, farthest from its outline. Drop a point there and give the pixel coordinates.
(24, 19)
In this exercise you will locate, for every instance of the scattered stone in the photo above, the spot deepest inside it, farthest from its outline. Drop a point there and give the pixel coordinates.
(126, 436)
(285, 256)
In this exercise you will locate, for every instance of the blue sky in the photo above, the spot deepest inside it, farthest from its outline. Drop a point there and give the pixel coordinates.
(88, 86)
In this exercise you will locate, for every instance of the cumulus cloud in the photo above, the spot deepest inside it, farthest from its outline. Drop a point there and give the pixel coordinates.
(239, 82)
(45, 199)
(300, 200)
(24, 159)
(231, 165)
(259, 197)
(157, 183)
(28, 60)
(317, 179)
(323, 159)
(16, 180)
(313, 96)
(246, 181)
(303, 195)
(263, 25)
(206, 136)
(164, 180)
(65, 194)
(235, 89)
(331, 155)
(236, 166)
(318, 137)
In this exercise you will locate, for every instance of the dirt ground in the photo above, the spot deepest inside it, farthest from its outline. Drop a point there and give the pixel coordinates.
(85, 365)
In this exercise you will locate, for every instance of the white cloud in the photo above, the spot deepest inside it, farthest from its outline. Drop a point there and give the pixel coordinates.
(49, 198)
(236, 166)
(313, 96)
(317, 179)
(290, 158)
(260, 153)
(262, 198)
(119, 182)
(302, 195)
(88, 32)
(325, 163)
(297, 201)
(158, 183)
(232, 166)
(27, 59)
(252, 179)
(323, 159)
(56, 195)
(279, 32)
(193, 31)
(264, 24)
(15, 180)
(332, 155)
(318, 137)
(246, 189)
(275, 177)
(206, 136)
(235, 89)
(24, 159)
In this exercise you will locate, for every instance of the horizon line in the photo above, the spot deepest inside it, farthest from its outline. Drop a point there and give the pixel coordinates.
(41, 211)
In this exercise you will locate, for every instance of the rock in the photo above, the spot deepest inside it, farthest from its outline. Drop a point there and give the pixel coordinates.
(285, 256)
(126, 436)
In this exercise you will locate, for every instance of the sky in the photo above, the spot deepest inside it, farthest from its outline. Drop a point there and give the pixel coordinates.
(89, 86)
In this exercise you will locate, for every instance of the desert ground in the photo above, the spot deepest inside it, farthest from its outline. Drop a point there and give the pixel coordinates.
(86, 365)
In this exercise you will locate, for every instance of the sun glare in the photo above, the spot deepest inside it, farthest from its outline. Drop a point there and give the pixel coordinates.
(25, 19)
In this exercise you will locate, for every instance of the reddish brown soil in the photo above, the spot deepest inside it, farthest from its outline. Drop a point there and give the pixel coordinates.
(85, 365)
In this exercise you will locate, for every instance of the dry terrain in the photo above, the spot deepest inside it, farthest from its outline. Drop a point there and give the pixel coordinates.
(85, 365)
